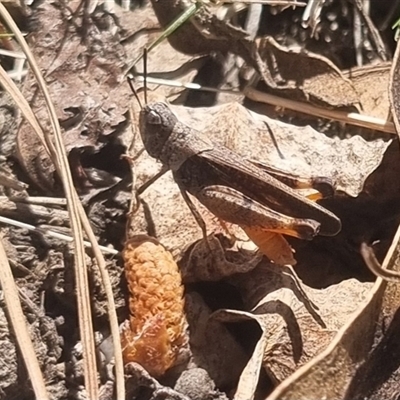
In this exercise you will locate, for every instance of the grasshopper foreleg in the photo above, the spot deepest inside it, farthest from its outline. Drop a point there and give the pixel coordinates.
(144, 187)
(147, 184)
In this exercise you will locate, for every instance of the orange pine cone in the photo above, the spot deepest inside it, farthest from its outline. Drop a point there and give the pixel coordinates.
(156, 330)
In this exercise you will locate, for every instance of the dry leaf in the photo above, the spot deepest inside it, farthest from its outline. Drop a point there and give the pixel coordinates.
(306, 76)
(368, 343)
(371, 84)
(224, 260)
(294, 331)
(213, 347)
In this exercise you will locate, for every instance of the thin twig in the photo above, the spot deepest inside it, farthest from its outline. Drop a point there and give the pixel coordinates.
(44, 201)
(53, 234)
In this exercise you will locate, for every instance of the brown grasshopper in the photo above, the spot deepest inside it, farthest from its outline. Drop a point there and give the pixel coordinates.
(233, 188)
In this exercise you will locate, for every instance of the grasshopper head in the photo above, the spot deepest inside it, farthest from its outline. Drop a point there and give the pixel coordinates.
(156, 124)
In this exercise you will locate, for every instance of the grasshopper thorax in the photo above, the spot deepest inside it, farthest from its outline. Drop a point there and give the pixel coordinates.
(156, 124)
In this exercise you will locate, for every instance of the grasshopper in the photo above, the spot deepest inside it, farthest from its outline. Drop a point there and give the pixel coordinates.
(233, 188)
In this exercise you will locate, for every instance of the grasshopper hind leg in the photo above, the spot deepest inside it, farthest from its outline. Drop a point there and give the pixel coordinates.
(234, 207)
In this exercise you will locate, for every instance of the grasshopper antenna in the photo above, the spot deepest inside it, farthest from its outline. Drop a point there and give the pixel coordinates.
(131, 78)
(134, 91)
(145, 74)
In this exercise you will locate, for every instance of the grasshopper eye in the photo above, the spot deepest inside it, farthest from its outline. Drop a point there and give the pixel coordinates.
(153, 118)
